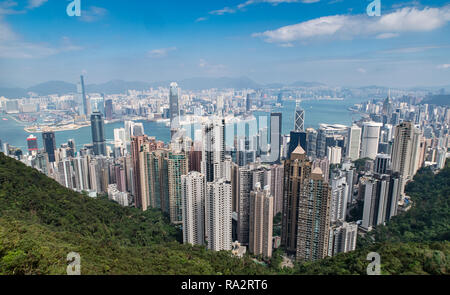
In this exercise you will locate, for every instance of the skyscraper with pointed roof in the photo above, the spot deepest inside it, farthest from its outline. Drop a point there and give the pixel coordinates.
(296, 169)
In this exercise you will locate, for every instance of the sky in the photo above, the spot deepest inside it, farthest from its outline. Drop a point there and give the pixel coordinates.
(330, 41)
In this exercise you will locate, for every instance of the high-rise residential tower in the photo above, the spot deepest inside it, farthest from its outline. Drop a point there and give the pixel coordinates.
(261, 222)
(177, 165)
(213, 150)
(313, 218)
(193, 207)
(406, 152)
(218, 215)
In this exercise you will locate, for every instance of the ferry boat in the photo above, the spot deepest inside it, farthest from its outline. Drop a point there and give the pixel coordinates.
(4, 119)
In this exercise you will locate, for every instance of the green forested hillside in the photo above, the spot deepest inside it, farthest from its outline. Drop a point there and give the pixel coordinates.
(41, 222)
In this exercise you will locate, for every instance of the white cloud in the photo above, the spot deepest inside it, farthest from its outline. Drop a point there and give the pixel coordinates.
(12, 46)
(361, 70)
(444, 66)
(243, 5)
(274, 2)
(222, 11)
(93, 14)
(161, 52)
(408, 19)
(35, 3)
(200, 19)
(387, 35)
(8, 7)
(411, 49)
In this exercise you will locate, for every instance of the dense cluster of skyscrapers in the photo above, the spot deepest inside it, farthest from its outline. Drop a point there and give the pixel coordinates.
(311, 178)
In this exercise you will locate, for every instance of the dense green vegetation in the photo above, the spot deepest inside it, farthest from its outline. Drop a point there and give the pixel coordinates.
(41, 222)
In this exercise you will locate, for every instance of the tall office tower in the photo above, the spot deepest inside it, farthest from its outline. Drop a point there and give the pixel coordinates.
(296, 169)
(311, 142)
(49, 141)
(248, 103)
(213, 151)
(98, 134)
(339, 197)
(299, 124)
(174, 94)
(276, 187)
(177, 165)
(342, 238)
(109, 110)
(297, 138)
(218, 215)
(370, 139)
(330, 135)
(72, 148)
(313, 218)
(261, 222)
(382, 164)
(32, 145)
(193, 208)
(381, 195)
(157, 169)
(275, 137)
(353, 142)
(405, 151)
(334, 154)
(387, 106)
(84, 100)
(244, 187)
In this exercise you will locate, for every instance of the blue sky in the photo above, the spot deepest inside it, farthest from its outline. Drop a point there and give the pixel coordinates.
(329, 41)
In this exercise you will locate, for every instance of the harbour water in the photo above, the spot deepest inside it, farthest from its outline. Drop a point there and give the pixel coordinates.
(316, 112)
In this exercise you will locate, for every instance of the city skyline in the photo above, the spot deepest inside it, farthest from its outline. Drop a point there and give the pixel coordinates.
(333, 42)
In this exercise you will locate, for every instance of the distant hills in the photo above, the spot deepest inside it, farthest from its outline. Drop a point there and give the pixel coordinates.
(120, 86)
(441, 100)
